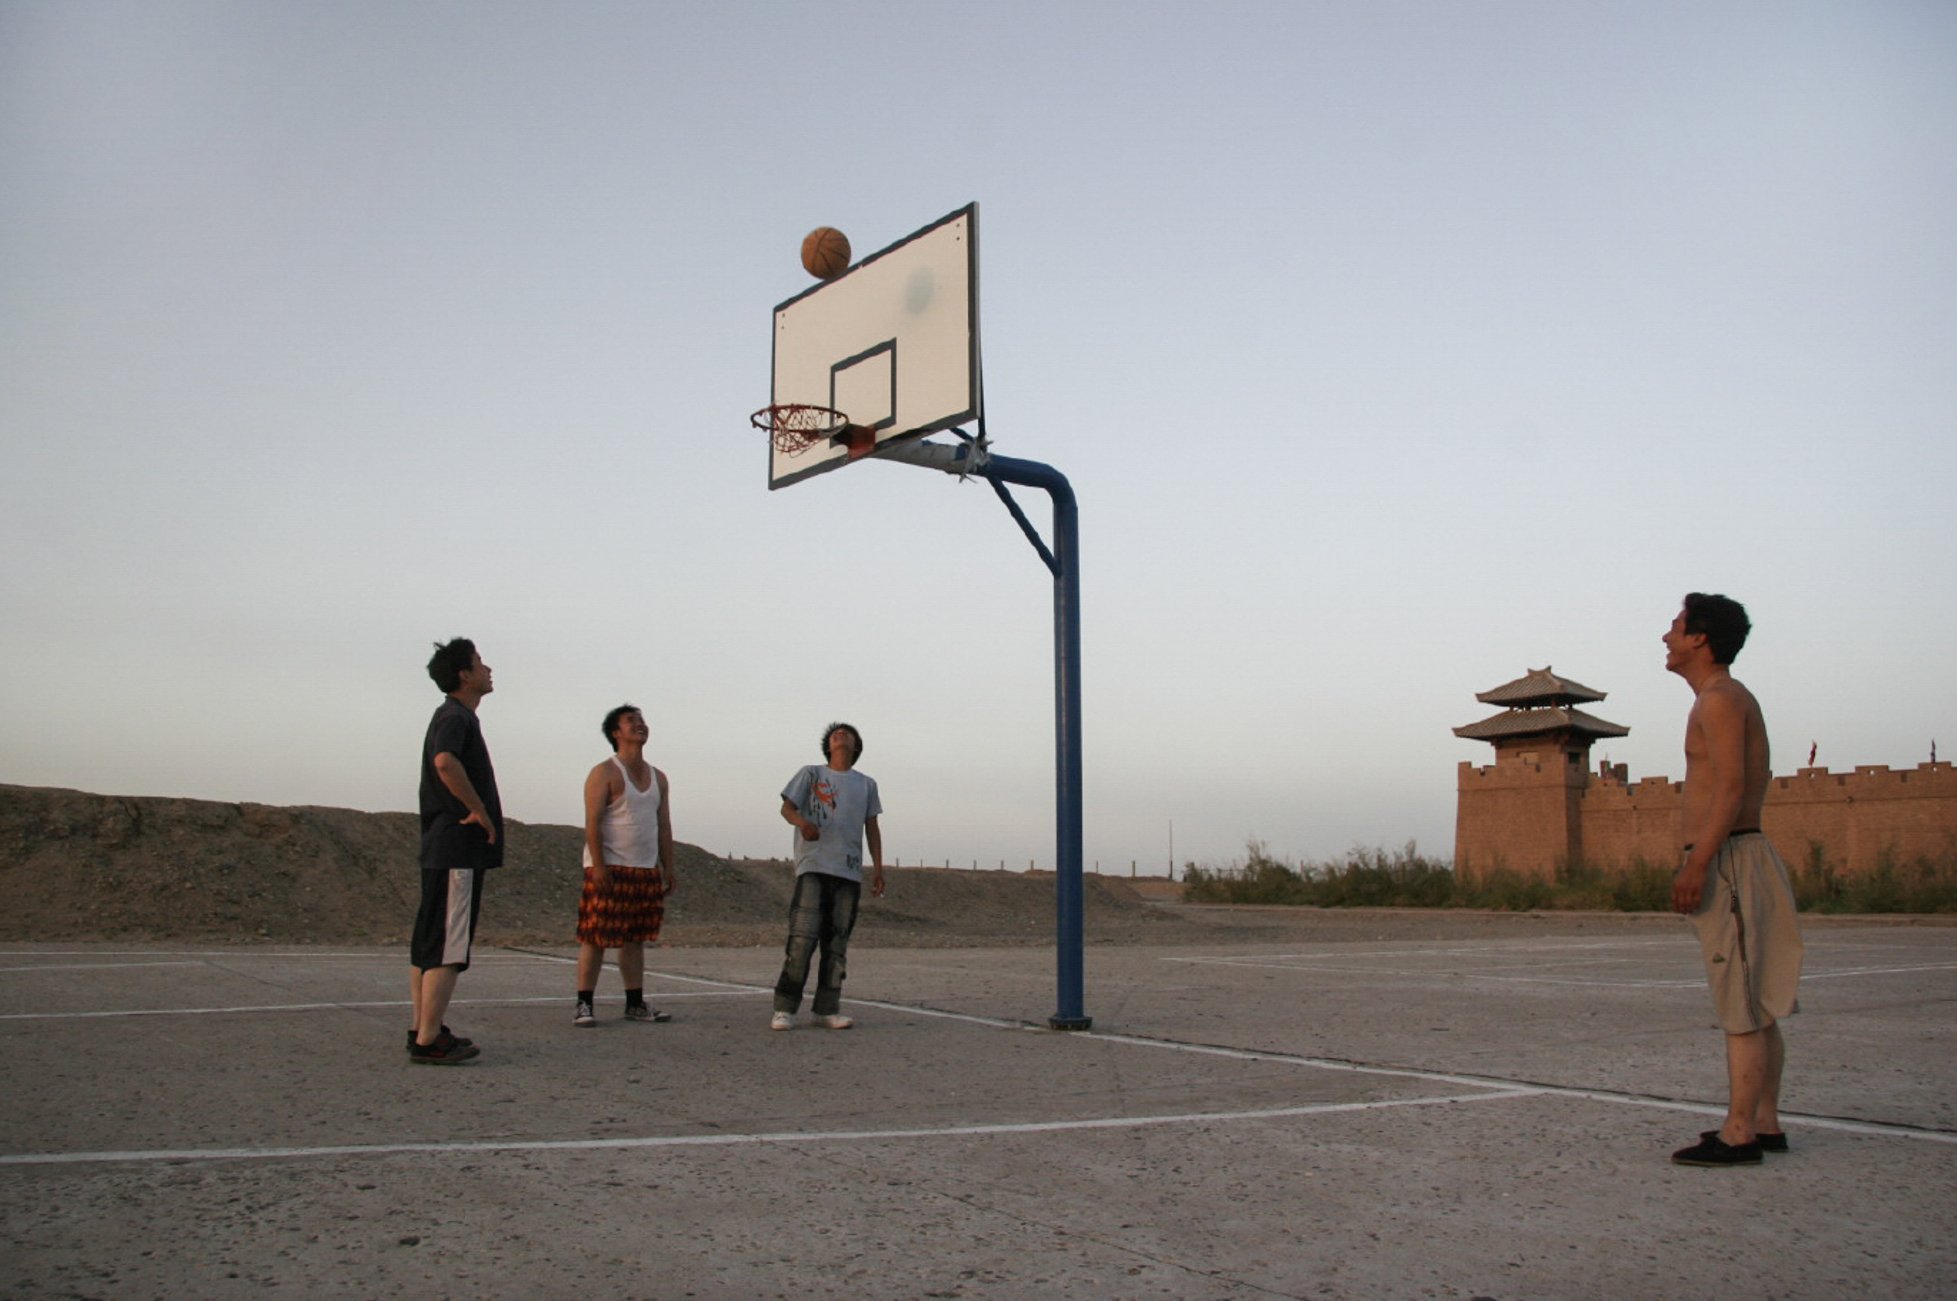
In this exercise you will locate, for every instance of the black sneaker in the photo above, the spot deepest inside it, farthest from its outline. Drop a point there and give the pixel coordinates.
(447, 1050)
(1712, 1150)
(586, 1015)
(645, 1012)
(445, 1032)
(1767, 1142)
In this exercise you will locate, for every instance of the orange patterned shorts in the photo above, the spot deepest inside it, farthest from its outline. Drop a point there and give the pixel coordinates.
(629, 911)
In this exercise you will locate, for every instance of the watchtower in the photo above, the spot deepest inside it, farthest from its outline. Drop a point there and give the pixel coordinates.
(1524, 811)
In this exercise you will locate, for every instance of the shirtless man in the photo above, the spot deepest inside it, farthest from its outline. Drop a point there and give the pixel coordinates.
(1731, 883)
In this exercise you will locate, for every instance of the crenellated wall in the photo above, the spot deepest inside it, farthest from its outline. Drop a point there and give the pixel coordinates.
(1531, 811)
(1523, 809)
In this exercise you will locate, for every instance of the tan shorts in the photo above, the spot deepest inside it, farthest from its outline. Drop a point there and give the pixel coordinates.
(1749, 935)
(630, 911)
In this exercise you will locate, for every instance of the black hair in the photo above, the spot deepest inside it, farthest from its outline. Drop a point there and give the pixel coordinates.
(1721, 620)
(832, 729)
(450, 662)
(611, 722)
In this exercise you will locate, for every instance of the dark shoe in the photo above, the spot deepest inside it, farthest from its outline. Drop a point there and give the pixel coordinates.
(445, 1032)
(1767, 1142)
(585, 1015)
(447, 1050)
(1712, 1150)
(645, 1012)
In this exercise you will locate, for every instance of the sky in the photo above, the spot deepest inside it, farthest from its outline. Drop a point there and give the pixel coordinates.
(1391, 349)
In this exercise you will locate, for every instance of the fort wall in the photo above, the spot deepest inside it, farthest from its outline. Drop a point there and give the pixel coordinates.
(1530, 812)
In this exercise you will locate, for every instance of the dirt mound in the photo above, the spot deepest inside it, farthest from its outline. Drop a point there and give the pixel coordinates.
(76, 866)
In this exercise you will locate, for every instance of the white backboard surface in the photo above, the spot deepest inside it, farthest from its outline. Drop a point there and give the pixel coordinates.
(893, 343)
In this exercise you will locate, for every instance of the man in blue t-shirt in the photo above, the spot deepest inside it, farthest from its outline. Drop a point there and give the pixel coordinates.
(834, 810)
(461, 838)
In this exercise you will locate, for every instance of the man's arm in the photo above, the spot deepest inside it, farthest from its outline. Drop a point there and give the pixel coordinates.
(450, 770)
(597, 794)
(1721, 719)
(874, 836)
(793, 817)
(666, 831)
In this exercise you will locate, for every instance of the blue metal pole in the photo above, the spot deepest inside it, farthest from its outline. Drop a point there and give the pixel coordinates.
(1068, 886)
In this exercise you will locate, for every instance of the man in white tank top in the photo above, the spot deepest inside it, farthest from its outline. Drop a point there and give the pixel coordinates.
(628, 866)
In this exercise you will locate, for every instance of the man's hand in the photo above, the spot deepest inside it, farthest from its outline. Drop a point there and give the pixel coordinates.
(1688, 889)
(810, 831)
(876, 883)
(601, 875)
(482, 820)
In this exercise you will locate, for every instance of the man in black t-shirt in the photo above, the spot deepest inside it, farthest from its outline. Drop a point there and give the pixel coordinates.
(461, 838)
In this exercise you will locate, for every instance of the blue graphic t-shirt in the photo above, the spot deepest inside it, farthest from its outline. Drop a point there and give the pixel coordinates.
(838, 803)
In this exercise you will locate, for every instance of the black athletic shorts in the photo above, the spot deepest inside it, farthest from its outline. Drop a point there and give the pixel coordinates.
(445, 924)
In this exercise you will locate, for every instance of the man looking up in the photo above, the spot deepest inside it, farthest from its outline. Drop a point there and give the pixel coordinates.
(628, 866)
(834, 809)
(1731, 883)
(461, 838)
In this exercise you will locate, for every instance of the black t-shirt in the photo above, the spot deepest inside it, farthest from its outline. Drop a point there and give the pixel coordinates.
(446, 844)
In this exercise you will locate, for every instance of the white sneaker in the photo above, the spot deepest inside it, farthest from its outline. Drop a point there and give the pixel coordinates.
(836, 1022)
(782, 1021)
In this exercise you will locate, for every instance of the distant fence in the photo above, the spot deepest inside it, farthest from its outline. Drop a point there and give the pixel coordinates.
(1132, 868)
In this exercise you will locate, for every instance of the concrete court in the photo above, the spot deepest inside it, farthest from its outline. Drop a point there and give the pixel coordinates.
(1442, 1118)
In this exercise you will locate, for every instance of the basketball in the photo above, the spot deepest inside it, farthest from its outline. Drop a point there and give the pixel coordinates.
(825, 252)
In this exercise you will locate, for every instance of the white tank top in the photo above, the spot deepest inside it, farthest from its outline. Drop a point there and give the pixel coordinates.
(629, 826)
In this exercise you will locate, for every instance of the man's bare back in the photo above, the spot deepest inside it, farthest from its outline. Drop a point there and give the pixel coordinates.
(1755, 759)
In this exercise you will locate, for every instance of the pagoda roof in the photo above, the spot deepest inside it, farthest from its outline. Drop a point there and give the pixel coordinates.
(1539, 687)
(1511, 723)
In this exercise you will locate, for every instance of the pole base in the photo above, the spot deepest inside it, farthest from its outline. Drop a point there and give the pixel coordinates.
(1070, 1023)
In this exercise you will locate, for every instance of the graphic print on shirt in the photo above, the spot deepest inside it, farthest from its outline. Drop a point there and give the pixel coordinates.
(823, 802)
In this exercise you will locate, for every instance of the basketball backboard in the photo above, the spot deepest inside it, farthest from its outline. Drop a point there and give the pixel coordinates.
(892, 343)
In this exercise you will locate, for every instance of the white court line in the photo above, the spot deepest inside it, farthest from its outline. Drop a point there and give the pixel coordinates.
(1464, 973)
(1493, 1090)
(1693, 983)
(400, 956)
(1307, 962)
(1508, 1088)
(1481, 950)
(1696, 982)
(719, 989)
(1460, 974)
(1523, 1088)
(727, 1140)
(1875, 971)
(344, 1005)
(102, 966)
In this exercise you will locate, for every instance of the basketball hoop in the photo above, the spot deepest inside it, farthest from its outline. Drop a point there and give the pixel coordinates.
(795, 427)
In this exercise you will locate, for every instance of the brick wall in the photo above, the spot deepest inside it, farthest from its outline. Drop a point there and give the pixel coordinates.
(1524, 809)
(1857, 817)
(1530, 812)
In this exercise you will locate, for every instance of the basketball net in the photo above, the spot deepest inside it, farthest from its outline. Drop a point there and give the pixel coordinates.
(795, 427)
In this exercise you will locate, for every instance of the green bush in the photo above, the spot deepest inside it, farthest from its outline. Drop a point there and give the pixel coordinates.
(1366, 878)
(1919, 885)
